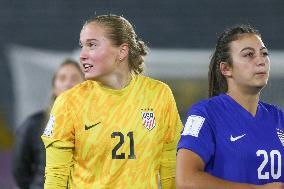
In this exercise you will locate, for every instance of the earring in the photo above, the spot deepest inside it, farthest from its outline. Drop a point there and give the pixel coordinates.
(120, 59)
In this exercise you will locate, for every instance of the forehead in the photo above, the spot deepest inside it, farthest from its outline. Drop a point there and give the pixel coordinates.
(92, 31)
(247, 40)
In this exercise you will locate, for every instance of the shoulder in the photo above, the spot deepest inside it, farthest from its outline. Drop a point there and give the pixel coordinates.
(37, 115)
(207, 104)
(154, 89)
(80, 88)
(76, 92)
(34, 120)
(274, 109)
(201, 115)
(151, 83)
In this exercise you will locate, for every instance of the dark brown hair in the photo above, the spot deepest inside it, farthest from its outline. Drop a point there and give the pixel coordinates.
(217, 81)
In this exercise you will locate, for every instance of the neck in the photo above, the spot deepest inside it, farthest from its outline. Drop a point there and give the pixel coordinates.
(247, 101)
(116, 81)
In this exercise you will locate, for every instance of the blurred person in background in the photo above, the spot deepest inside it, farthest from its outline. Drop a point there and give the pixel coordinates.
(29, 153)
(119, 129)
(233, 139)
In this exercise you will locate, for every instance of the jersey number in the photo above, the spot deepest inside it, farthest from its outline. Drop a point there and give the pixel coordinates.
(275, 155)
(120, 143)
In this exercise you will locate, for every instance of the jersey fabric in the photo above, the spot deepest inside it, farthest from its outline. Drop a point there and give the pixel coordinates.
(233, 144)
(104, 139)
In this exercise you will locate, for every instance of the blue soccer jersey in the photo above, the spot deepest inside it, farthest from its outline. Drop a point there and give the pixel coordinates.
(235, 145)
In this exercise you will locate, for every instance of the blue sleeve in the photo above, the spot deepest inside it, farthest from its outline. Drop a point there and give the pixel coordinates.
(197, 135)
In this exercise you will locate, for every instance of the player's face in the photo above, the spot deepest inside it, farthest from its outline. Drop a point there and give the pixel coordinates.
(251, 63)
(66, 77)
(98, 56)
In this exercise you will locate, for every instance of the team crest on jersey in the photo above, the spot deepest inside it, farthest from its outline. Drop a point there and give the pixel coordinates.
(148, 118)
(280, 134)
(49, 127)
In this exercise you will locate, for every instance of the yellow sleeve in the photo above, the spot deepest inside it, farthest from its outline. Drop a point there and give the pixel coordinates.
(58, 138)
(58, 164)
(168, 162)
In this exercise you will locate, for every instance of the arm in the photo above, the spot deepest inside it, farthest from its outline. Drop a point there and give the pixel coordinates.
(190, 175)
(58, 164)
(167, 169)
(168, 161)
(58, 138)
(197, 150)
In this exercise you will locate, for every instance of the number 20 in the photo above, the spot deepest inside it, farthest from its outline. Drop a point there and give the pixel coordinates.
(274, 173)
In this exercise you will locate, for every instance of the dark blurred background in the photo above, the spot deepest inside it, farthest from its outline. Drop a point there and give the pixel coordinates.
(35, 35)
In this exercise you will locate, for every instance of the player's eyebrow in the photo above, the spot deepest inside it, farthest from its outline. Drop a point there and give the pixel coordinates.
(263, 48)
(247, 48)
(88, 40)
(250, 48)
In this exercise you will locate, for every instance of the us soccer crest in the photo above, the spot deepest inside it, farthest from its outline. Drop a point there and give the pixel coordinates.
(148, 118)
(280, 134)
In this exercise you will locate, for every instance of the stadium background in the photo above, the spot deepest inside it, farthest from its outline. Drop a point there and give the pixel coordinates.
(36, 35)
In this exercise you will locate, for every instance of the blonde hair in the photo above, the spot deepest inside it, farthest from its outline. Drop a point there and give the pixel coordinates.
(119, 31)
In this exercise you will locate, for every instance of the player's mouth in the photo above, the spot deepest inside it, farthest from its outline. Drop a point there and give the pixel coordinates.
(87, 67)
(261, 73)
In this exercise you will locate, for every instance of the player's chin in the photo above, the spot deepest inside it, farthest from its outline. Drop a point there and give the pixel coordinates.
(90, 76)
(261, 85)
(261, 81)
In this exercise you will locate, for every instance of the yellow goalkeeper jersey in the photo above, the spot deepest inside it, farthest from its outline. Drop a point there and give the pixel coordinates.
(100, 138)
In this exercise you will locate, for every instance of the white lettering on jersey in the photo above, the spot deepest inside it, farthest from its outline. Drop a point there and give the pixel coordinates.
(275, 172)
(193, 125)
(49, 128)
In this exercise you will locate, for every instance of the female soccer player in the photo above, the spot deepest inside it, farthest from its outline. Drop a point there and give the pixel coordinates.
(29, 153)
(119, 129)
(233, 140)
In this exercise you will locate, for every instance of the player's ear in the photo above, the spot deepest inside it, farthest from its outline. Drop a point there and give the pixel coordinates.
(226, 69)
(123, 51)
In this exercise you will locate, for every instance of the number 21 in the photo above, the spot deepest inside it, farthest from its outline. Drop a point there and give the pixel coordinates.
(120, 143)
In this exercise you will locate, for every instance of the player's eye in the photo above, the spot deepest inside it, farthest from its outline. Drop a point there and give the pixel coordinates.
(249, 54)
(265, 54)
(92, 45)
